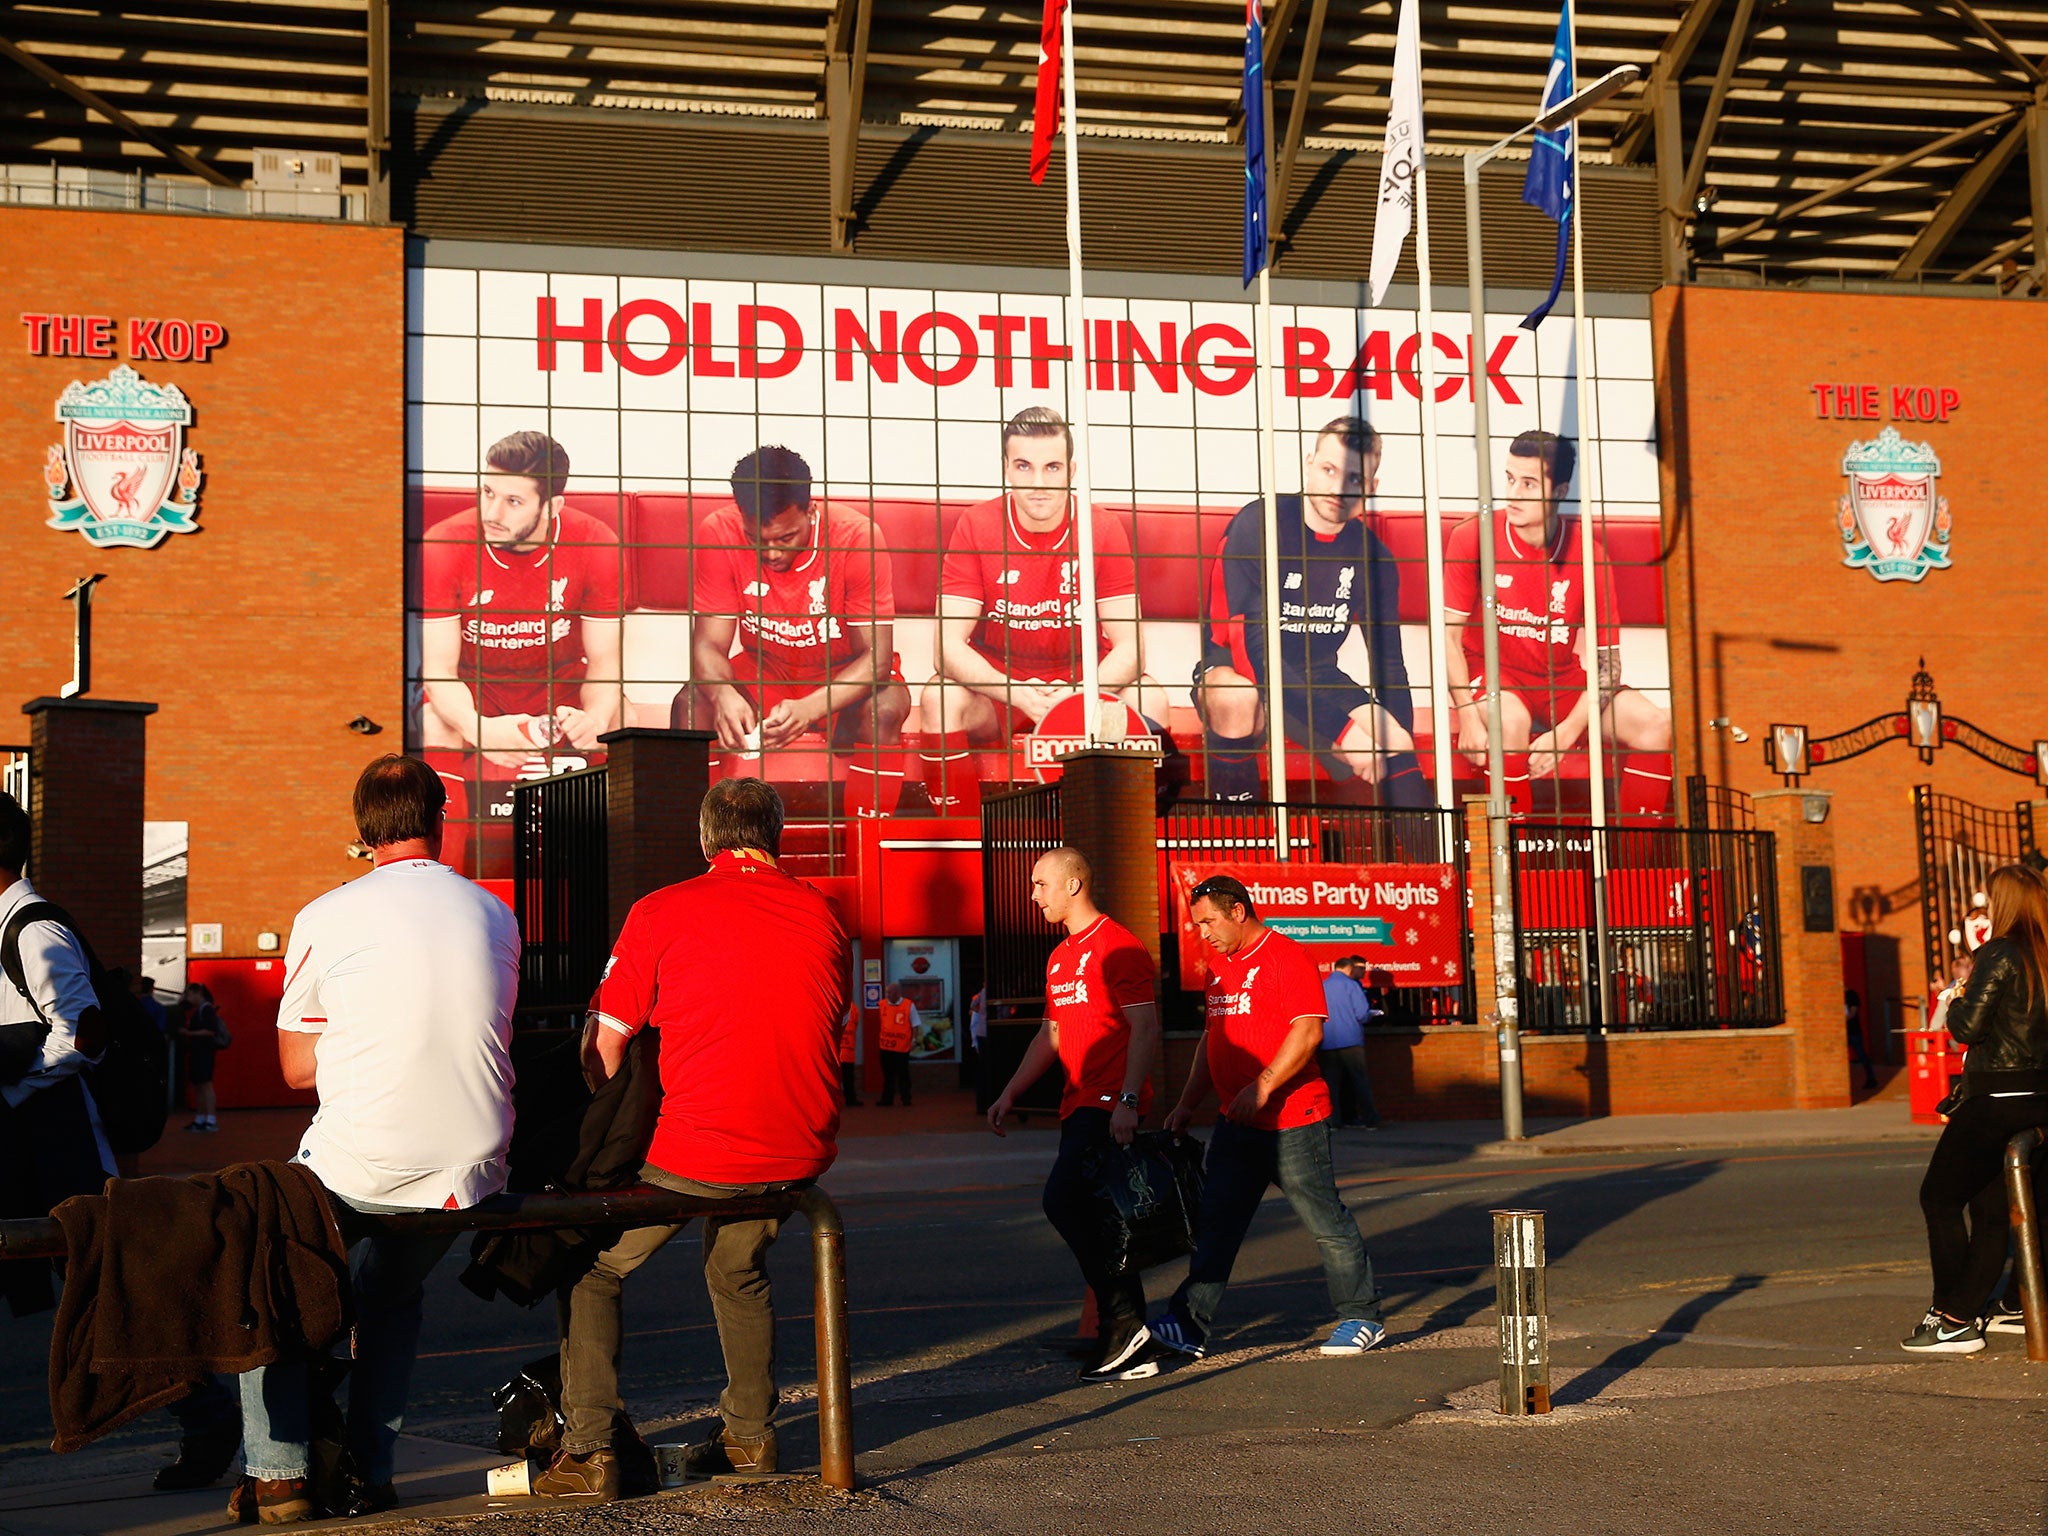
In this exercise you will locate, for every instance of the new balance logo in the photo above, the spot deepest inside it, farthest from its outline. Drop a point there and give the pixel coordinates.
(1293, 581)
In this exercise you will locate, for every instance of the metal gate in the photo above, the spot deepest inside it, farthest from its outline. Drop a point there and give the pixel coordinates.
(1692, 928)
(561, 883)
(16, 776)
(1016, 939)
(1960, 844)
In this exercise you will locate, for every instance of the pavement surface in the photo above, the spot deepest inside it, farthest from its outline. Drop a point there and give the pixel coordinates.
(1726, 1297)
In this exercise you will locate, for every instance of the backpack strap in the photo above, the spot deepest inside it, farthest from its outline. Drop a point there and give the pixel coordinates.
(10, 944)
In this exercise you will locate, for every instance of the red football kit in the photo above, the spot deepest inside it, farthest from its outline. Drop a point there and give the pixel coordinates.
(1254, 998)
(746, 973)
(1091, 978)
(521, 610)
(793, 623)
(1028, 586)
(1541, 603)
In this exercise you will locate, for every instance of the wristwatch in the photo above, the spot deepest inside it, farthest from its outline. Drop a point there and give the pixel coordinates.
(1128, 1100)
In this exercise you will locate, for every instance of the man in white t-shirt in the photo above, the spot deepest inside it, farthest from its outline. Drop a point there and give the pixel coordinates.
(397, 1010)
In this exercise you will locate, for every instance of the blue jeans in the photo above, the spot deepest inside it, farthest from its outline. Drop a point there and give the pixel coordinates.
(389, 1273)
(1242, 1162)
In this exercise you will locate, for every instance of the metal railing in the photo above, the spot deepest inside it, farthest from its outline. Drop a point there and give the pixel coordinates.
(1249, 831)
(54, 186)
(2026, 1239)
(1691, 920)
(645, 1206)
(561, 887)
(1016, 939)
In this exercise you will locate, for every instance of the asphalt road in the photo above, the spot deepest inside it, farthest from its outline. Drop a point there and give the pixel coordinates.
(1724, 1358)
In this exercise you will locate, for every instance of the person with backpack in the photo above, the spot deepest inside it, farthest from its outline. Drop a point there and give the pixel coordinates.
(204, 1033)
(83, 1075)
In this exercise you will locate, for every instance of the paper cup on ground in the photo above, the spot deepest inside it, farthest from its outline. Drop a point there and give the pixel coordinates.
(511, 1482)
(668, 1463)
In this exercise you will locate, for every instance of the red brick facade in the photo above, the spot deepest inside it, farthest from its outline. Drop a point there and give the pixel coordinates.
(264, 633)
(1768, 625)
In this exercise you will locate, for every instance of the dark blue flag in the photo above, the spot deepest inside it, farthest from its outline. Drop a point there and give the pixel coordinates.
(1254, 143)
(1549, 185)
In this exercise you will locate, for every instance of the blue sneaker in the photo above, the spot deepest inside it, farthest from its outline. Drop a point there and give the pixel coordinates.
(1354, 1336)
(1169, 1330)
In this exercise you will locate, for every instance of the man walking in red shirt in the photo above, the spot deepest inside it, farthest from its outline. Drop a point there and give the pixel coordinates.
(750, 1105)
(1265, 1010)
(1102, 1026)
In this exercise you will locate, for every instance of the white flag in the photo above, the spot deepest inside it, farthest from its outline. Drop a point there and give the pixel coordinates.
(1401, 160)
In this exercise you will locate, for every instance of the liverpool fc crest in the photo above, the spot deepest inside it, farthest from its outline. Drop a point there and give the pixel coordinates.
(1894, 521)
(130, 478)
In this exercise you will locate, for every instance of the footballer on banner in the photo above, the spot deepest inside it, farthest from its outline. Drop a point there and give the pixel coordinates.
(1540, 603)
(1008, 642)
(1336, 575)
(794, 630)
(520, 627)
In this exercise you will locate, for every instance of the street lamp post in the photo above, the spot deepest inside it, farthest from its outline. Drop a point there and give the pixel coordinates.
(1504, 977)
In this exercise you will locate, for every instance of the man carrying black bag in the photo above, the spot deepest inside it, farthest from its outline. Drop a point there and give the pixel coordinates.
(1102, 1026)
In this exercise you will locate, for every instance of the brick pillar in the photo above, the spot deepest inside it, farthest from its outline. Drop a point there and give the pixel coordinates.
(1109, 812)
(88, 760)
(654, 786)
(1811, 961)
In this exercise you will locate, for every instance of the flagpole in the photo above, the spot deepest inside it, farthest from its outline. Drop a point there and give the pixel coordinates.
(1276, 732)
(1077, 399)
(1592, 505)
(1432, 499)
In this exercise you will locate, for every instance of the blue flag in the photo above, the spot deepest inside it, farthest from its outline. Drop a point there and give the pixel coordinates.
(1254, 143)
(1549, 185)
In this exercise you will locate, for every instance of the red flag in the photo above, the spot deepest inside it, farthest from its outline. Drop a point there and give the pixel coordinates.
(1045, 115)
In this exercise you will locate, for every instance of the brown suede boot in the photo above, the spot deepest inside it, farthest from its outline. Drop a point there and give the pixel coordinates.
(593, 1477)
(270, 1501)
(726, 1452)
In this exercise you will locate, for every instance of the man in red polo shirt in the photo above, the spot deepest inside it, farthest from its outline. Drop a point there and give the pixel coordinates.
(750, 1099)
(1266, 1010)
(1102, 1026)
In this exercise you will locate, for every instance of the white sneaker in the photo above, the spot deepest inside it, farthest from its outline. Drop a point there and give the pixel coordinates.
(1354, 1336)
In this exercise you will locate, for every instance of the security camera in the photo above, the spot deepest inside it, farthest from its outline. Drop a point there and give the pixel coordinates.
(1724, 724)
(363, 725)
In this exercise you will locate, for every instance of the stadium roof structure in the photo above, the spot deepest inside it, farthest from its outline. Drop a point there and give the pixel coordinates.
(1770, 140)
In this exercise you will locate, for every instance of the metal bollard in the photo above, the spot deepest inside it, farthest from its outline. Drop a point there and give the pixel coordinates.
(2026, 1239)
(1524, 1305)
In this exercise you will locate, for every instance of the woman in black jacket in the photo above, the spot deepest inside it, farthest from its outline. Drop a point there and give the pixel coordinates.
(2001, 1014)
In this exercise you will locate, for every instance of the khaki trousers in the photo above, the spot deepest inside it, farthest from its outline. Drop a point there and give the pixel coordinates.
(593, 1317)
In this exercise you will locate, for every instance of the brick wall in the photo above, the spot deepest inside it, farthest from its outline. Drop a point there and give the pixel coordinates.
(1767, 624)
(262, 635)
(1452, 1072)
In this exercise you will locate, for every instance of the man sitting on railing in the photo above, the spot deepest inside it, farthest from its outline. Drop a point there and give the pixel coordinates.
(750, 1106)
(397, 1011)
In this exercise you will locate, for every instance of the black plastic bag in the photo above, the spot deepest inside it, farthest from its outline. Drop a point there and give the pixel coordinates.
(529, 1411)
(1149, 1195)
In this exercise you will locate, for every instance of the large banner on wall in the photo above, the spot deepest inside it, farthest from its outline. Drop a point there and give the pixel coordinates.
(1406, 921)
(832, 525)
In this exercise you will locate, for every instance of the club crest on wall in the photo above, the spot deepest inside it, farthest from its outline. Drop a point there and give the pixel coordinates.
(1893, 519)
(123, 475)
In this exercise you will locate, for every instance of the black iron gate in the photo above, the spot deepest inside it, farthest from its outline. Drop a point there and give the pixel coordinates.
(561, 889)
(1960, 844)
(1016, 939)
(1692, 928)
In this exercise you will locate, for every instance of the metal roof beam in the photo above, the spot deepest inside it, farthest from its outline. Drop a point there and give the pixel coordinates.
(1996, 39)
(846, 74)
(1671, 62)
(1851, 183)
(1957, 207)
(1297, 111)
(113, 114)
(1731, 52)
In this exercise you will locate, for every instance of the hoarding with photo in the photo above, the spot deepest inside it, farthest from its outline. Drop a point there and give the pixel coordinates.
(880, 615)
